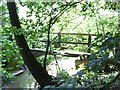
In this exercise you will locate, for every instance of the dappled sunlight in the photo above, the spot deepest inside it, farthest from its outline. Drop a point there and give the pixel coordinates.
(64, 63)
(60, 44)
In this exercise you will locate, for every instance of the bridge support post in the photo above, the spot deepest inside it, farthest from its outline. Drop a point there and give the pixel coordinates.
(59, 40)
(89, 43)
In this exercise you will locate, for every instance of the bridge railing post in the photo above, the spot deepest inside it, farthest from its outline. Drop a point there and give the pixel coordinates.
(59, 39)
(89, 43)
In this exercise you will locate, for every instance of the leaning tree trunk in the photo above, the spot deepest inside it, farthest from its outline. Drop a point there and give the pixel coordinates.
(38, 72)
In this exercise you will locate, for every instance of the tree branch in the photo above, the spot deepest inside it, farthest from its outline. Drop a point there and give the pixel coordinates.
(51, 22)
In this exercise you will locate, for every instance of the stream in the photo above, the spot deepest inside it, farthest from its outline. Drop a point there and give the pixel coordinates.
(26, 80)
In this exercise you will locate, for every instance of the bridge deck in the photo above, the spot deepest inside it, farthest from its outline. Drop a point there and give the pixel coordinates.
(73, 53)
(70, 53)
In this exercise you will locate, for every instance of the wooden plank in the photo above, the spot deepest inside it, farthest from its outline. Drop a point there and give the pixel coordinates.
(76, 34)
(77, 53)
(72, 52)
(37, 52)
(69, 42)
(82, 55)
(37, 49)
(75, 43)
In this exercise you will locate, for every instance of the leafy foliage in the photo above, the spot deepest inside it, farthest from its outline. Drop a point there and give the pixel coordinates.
(11, 59)
(82, 17)
(107, 54)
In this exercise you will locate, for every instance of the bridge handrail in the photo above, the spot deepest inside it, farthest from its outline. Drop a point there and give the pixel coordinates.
(59, 41)
(75, 34)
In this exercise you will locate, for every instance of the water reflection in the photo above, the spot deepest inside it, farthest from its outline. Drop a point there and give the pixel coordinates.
(25, 80)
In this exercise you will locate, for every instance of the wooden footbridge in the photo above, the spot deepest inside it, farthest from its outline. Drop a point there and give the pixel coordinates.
(67, 52)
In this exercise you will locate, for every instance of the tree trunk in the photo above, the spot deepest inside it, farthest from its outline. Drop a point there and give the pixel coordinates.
(38, 72)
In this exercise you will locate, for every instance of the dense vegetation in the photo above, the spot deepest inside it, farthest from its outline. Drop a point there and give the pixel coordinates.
(41, 19)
